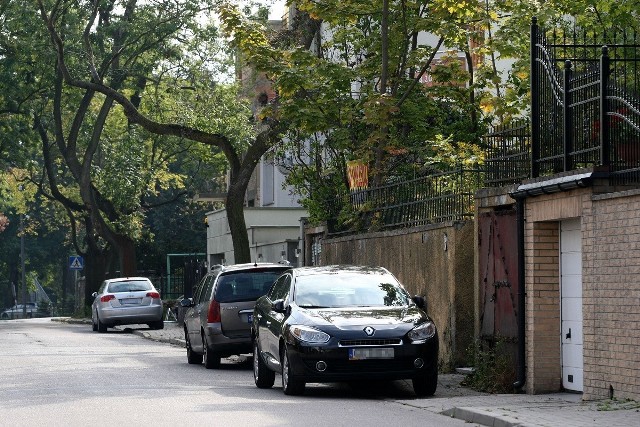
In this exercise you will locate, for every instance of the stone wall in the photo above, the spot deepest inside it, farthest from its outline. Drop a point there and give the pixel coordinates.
(435, 261)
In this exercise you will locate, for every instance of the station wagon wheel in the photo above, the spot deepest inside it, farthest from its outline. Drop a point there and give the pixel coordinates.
(426, 384)
(211, 358)
(94, 326)
(192, 358)
(262, 375)
(290, 385)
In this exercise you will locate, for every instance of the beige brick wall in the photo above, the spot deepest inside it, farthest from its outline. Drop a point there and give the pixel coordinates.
(611, 293)
(543, 306)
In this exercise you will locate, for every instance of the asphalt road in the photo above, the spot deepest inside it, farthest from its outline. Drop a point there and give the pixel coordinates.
(58, 374)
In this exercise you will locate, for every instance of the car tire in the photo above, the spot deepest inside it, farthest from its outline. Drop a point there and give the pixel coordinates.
(290, 385)
(5, 316)
(94, 326)
(101, 326)
(156, 325)
(262, 375)
(425, 385)
(211, 358)
(192, 357)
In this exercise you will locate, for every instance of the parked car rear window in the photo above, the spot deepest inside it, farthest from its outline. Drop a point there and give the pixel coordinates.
(245, 286)
(131, 286)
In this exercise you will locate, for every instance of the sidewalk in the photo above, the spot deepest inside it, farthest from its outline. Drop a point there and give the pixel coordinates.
(494, 410)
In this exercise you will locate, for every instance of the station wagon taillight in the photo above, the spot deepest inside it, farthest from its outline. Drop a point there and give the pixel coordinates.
(107, 298)
(154, 295)
(213, 315)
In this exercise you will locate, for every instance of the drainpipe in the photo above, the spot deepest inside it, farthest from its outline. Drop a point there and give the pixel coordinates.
(521, 370)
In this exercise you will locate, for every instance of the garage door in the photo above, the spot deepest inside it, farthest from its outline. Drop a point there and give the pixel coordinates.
(571, 298)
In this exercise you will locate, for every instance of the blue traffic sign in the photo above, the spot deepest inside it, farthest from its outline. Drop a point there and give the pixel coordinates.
(76, 262)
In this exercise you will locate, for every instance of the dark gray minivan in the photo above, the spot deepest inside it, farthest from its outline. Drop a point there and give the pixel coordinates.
(218, 319)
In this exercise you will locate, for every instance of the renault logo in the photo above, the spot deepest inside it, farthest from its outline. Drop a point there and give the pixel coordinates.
(369, 330)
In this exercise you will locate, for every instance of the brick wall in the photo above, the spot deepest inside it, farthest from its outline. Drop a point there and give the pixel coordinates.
(543, 306)
(611, 292)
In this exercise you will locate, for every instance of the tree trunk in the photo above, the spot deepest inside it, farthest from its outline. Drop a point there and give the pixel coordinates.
(126, 251)
(237, 225)
(95, 269)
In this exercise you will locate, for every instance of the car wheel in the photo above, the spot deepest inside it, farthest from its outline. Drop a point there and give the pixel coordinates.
(5, 316)
(156, 325)
(192, 358)
(290, 385)
(94, 326)
(101, 326)
(211, 358)
(262, 375)
(425, 385)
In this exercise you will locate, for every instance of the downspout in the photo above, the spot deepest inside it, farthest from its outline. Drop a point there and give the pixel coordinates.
(522, 348)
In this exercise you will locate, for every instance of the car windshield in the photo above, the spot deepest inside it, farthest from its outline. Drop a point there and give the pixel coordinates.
(245, 286)
(349, 290)
(129, 286)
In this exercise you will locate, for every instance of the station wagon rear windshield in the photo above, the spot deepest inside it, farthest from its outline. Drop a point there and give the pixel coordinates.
(129, 286)
(245, 285)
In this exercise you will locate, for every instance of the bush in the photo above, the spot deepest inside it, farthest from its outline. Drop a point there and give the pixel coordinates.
(494, 370)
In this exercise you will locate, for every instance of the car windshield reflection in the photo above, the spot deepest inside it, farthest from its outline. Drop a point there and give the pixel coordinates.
(348, 290)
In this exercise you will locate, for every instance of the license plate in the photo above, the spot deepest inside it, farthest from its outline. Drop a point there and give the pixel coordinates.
(370, 353)
(130, 301)
(250, 318)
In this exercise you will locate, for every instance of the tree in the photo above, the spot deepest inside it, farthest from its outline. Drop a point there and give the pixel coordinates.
(148, 74)
(347, 81)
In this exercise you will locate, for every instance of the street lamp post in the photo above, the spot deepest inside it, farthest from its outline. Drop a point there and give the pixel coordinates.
(24, 282)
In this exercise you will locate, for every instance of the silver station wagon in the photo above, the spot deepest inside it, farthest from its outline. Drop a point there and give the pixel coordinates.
(126, 301)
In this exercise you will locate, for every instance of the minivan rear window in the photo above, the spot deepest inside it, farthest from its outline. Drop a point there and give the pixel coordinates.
(245, 285)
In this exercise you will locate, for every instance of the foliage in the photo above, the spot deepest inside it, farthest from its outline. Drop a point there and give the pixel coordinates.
(494, 370)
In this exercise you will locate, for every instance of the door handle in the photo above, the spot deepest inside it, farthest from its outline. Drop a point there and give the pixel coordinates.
(569, 334)
(268, 323)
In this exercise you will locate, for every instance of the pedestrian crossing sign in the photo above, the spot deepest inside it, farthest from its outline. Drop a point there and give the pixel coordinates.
(76, 262)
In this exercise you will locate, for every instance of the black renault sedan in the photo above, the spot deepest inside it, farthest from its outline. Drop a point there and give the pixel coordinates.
(342, 323)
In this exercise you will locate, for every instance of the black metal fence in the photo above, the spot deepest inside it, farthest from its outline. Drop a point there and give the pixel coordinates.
(507, 154)
(445, 196)
(585, 106)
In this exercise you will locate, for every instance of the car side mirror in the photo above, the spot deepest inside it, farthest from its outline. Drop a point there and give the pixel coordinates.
(420, 302)
(186, 302)
(278, 306)
(95, 294)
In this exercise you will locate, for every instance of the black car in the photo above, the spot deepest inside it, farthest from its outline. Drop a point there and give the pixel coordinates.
(342, 323)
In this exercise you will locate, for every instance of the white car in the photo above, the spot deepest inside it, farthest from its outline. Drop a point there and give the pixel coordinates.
(126, 301)
(17, 311)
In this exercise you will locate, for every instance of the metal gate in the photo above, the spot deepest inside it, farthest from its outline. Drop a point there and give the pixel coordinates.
(499, 275)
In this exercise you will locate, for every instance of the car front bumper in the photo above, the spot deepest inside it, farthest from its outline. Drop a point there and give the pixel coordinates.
(409, 361)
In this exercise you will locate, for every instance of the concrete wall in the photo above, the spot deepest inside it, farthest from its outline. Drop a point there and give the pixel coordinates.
(271, 231)
(435, 261)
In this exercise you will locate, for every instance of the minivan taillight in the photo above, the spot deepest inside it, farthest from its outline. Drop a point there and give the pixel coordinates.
(107, 298)
(154, 295)
(213, 315)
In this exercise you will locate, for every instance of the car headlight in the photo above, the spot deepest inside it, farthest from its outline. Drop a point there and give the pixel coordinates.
(309, 335)
(422, 332)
